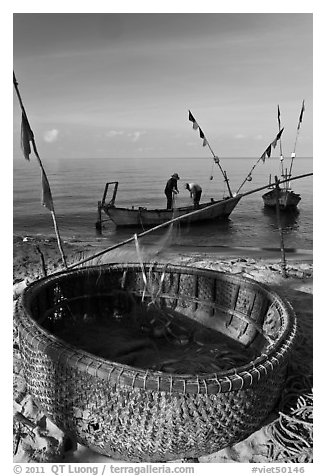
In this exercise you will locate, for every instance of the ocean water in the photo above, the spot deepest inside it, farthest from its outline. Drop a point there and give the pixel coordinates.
(78, 184)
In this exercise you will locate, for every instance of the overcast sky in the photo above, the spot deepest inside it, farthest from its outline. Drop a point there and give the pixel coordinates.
(120, 85)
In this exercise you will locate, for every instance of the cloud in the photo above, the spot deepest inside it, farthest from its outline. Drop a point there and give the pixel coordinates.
(114, 133)
(135, 135)
(51, 135)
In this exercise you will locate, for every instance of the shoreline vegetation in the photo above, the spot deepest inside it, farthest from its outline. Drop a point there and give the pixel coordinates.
(286, 437)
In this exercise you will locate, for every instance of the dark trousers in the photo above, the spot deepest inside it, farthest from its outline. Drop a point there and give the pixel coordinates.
(196, 198)
(169, 200)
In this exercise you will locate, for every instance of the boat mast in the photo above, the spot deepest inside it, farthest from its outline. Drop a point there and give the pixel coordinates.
(281, 152)
(215, 157)
(296, 137)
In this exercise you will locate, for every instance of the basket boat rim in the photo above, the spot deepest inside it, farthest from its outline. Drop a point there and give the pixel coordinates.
(116, 373)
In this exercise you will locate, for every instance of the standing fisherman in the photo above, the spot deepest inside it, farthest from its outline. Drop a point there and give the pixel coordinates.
(171, 189)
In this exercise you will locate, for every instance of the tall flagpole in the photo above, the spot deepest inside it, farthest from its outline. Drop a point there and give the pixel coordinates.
(296, 137)
(45, 182)
(279, 128)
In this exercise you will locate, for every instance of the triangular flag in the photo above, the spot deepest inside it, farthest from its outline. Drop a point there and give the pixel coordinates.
(202, 135)
(204, 142)
(46, 193)
(274, 143)
(263, 157)
(268, 151)
(301, 115)
(193, 120)
(279, 134)
(26, 137)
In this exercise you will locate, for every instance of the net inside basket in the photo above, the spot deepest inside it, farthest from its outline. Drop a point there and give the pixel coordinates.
(158, 320)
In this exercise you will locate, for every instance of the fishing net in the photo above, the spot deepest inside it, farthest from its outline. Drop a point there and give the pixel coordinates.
(143, 335)
(291, 432)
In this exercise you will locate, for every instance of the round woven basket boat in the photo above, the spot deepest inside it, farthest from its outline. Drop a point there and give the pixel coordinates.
(140, 415)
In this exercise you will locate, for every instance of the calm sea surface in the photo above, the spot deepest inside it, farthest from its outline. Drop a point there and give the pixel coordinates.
(78, 184)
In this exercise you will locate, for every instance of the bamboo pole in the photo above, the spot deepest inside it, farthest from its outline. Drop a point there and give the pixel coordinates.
(215, 157)
(177, 219)
(296, 137)
(217, 161)
(277, 190)
(42, 260)
(54, 219)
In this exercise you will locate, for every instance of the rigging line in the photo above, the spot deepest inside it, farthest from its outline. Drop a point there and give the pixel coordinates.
(217, 162)
(267, 152)
(215, 157)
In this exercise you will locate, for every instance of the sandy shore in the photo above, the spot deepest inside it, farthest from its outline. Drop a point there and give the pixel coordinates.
(37, 439)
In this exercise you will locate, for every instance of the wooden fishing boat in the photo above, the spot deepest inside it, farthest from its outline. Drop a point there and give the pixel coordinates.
(145, 217)
(287, 199)
(281, 194)
(137, 216)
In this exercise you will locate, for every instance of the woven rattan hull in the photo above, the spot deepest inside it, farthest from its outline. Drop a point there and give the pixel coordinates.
(143, 416)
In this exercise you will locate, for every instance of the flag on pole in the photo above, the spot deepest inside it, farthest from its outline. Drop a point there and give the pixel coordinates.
(193, 120)
(202, 136)
(301, 115)
(26, 137)
(279, 134)
(46, 192)
(279, 117)
(195, 126)
(268, 151)
(277, 138)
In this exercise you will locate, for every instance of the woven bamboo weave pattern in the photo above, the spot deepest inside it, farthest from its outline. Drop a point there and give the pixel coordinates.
(136, 414)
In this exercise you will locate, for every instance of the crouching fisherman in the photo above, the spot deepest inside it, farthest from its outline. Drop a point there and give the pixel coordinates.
(195, 192)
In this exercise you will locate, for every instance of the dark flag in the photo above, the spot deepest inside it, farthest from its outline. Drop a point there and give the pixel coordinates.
(26, 137)
(301, 115)
(279, 134)
(277, 138)
(193, 120)
(279, 117)
(202, 136)
(46, 193)
(269, 150)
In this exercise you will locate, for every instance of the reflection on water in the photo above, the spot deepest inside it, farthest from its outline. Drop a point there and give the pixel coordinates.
(177, 234)
(289, 219)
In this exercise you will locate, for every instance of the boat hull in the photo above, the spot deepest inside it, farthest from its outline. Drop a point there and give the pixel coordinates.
(152, 217)
(287, 199)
